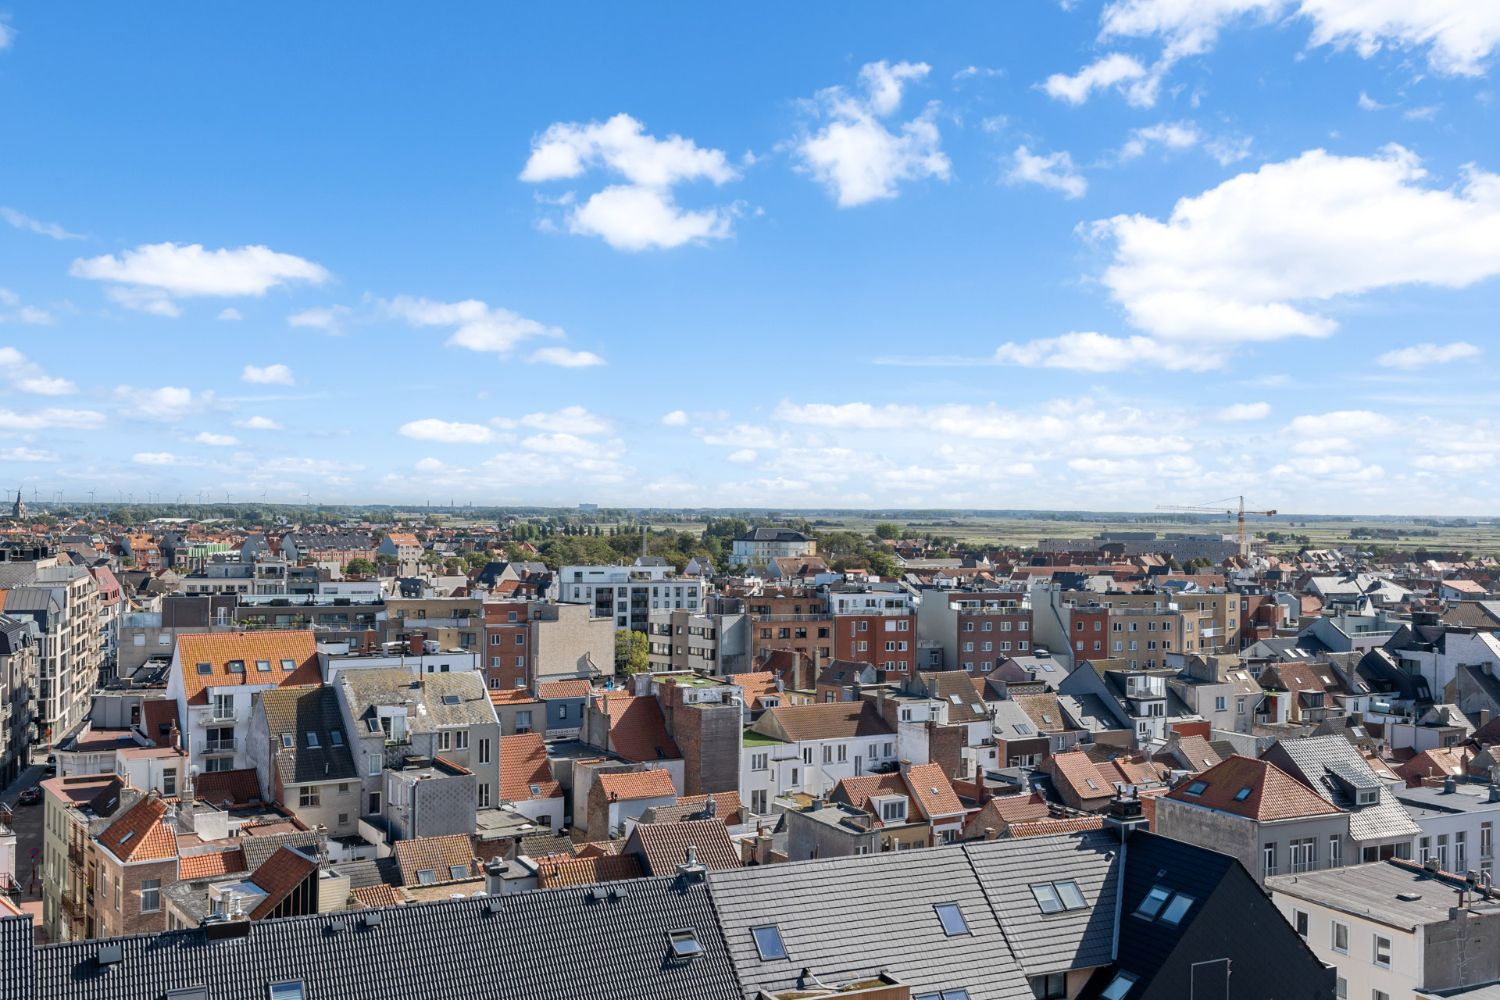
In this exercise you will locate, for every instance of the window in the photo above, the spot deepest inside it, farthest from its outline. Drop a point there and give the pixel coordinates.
(307, 796)
(456, 872)
(288, 741)
(1268, 859)
(312, 740)
(1339, 937)
(1197, 788)
(150, 895)
(484, 751)
(1486, 840)
(375, 765)
(427, 876)
(1341, 988)
(1053, 986)
(287, 666)
(289, 990)
(1243, 793)
(758, 801)
(1382, 950)
(1335, 851)
(760, 762)
(1176, 909)
(1152, 904)
(684, 944)
(336, 738)
(204, 669)
(1118, 987)
(952, 919)
(1379, 995)
(1055, 897)
(263, 666)
(768, 943)
(1304, 854)
(1300, 922)
(461, 738)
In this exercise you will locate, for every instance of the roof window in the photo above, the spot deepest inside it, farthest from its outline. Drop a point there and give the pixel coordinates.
(263, 666)
(958, 994)
(1118, 987)
(373, 724)
(1243, 794)
(312, 740)
(336, 738)
(1056, 897)
(288, 741)
(1197, 788)
(684, 944)
(1152, 904)
(235, 666)
(204, 669)
(451, 699)
(427, 876)
(1177, 909)
(952, 919)
(457, 872)
(288, 666)
(289, 990)
(768, 942)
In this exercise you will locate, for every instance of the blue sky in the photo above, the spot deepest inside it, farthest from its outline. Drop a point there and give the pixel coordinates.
(1028, 254)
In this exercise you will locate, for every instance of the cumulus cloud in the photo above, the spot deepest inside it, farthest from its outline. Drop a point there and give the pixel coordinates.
(641, 214)
(858, 154)
(1242, 412)
(268, 375)
(568, 420)
(565, 357)
(1097, 352)
(1422, 355)
(24, 375)
(1251, 259)
(476, 326)
(39, 420)
(676, 418)
(169, 402)
(446, 431)
(216, 440)
(1116, 70)
(151, 277)
(258, 423)
(1054, 171)
(12, 310)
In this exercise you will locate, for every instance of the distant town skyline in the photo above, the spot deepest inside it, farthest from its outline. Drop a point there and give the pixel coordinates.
(1039, 256)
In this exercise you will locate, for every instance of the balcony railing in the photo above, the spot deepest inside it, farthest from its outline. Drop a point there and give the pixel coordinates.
(222, 745)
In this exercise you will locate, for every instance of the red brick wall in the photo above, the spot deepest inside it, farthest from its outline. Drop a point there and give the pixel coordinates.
(850, 630)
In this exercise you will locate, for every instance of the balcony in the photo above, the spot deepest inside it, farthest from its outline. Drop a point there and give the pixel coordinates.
(74, 904)
(75, 855)
(229, 745)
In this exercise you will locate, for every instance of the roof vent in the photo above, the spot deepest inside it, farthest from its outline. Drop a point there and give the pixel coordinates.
(1408, 897)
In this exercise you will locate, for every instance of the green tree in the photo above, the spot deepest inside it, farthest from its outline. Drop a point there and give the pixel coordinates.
(631, 649)
(888, 531)
(359, 568)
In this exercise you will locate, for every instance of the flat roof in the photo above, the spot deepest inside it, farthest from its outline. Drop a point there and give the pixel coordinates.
(1375, 891)
(1433, 801)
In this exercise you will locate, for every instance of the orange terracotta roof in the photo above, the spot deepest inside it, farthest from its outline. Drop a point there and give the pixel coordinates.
(756, 685)
(439, 854)
(553, 872)
(1444, 762)
(210, 864)
(524, 767)
(549, 690)
(236, 787)
(858, 791)
(1075, 769)
(142, 833)
(219, 649)
(633, 785)
(1049, 827)
(637, 730)
(1273, 794)
(511, 696)
(379, 894)
(1020, 808)
(596, 849)
(158, 716)
(403, 538)
(279, 875)
(933, 791)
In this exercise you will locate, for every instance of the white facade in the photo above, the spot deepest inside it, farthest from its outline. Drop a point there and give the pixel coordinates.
(811, 766)
(1360, 970)
(628, 594)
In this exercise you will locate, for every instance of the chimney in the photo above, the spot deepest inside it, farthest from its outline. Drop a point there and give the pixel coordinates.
(494, 877)
(711, 807)
(1125, 815)
(905, 766)
(1449, 786)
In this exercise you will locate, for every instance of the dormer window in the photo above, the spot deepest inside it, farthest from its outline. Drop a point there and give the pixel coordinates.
(1367, 796)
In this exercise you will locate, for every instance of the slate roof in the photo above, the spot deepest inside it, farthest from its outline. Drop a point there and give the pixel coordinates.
(219, 649)
(637, 729)
(425, 952)
(1315, 759)
(1274, 794)
(814, 905)
(301, 711)
(441, 854)
(664, 845)
(366, 690)
(524, 766)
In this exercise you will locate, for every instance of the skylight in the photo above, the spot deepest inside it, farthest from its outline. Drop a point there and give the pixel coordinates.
(427, 876)
(290, 990)
(958, 994)
(1152, 904)
(336, 738)
(1243, 794)
(128, 835)
(288, 741)
(205, 668)
(1118, 987)
(288, 665)
(263, 666)
(312, 740)
(684, 943)
(456, 872)
(236, 666)
(768, 943)
(451, 699)
(952, 919)
(1177, 909)
(1197, 788)
(1055, 897)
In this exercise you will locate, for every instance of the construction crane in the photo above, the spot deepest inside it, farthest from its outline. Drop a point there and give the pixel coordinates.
(1236, 512)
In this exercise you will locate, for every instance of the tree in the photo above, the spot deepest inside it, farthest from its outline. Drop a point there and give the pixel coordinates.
(887, 531)
(631, 649)
(359, 567)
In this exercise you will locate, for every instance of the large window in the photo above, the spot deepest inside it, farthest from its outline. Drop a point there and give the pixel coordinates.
(952, 919)
(768, 942)
(1339, 937)
(1382, 951)
(1304, 854)
(1268, 859)
(150, 895)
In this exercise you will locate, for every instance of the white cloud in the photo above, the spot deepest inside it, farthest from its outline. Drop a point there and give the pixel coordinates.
(1458, 35)
(1368, 103)
(1241, 412)
(217, 440)
(329, 319)
(743, 455)
(82, 420)
(26, 223)
(1054, 171)
(268, 375)
(641, 214)
(169, 402)
(151, 276)
(1250, 259)
(565, 357)
(154, 458)
(23, 454)
(25, 375)
(1096, 352)
(1168, 135)
(258, 424)
(7, 35)
(1422, 355)
(857, 155)
(1342, 424)
(1138, 84)
(477, 326)
(677, 418)
(568, 420)
(15, 312)
(448, 432)
(230, 314)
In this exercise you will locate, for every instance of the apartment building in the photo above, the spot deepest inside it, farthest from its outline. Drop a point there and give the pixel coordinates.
(762, 545)
(18, 669)
(214, 678)
(793, 619)
(63, 601)
(714, 643)
(570, 641)
(1457, 823)
(299, 748)
(453, 622)
(628, 594)
(507, 646)
(831, 742)
(976, 631)
(876, 626)
(403, 550)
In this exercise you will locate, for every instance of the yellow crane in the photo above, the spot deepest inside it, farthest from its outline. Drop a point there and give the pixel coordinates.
(1236, 512)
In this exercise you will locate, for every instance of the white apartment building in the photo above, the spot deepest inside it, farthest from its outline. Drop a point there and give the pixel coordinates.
(64, 603)
(811, 748)
(1458, 823)
(628, 594)
(762, 545)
